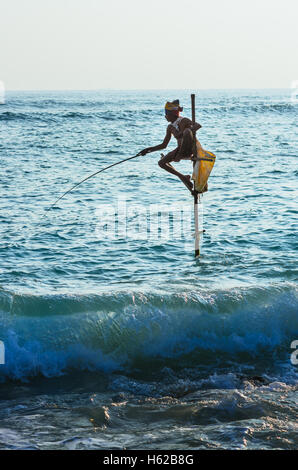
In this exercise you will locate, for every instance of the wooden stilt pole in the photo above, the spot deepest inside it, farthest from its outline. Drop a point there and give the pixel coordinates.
(196, 195)
(197, 231)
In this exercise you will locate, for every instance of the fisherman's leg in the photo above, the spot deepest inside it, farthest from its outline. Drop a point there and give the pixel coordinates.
(164, 163)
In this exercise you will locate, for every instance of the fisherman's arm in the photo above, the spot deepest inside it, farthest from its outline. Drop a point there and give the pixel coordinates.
(161, 146)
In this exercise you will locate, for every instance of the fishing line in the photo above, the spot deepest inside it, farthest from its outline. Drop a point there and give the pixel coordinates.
(28, 238)
(87, 178)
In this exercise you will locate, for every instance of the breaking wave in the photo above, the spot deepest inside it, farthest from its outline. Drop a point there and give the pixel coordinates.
(51, 335)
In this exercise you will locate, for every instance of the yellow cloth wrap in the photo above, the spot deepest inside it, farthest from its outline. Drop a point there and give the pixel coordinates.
(202, 168)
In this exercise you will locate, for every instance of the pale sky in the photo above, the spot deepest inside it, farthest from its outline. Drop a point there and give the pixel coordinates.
(152, 44)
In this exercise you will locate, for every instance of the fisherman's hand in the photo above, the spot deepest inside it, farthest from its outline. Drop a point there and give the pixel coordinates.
(195, 127)
(145, 151)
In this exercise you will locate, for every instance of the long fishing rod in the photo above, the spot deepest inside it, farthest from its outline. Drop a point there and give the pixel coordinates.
(90, 176)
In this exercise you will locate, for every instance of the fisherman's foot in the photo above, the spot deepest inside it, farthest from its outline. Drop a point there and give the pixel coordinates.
(188, 183)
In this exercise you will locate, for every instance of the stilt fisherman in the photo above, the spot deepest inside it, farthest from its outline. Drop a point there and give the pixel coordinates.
(182, 129)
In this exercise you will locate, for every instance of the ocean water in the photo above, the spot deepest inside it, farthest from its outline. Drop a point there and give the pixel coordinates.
(115, 336)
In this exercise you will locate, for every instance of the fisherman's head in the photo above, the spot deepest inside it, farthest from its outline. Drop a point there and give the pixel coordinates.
(172, 110)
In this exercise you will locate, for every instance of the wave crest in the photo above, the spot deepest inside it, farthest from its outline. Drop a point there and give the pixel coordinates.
(51, 334)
